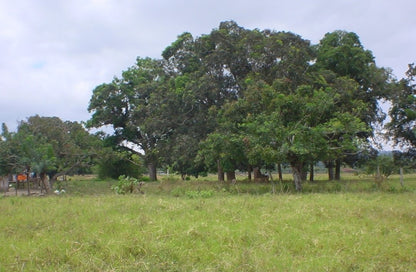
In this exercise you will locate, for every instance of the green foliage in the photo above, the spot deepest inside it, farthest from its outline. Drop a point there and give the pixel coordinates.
(383, 165)
(113, 164)
(131, 105)
(48, 145)
(238, 98)
(126, 185)
(402, 113)
(199, 194)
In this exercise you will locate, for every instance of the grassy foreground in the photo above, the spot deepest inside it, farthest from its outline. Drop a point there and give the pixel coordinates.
(287, 232)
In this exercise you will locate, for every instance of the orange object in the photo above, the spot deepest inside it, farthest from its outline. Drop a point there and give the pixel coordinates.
(21, 177)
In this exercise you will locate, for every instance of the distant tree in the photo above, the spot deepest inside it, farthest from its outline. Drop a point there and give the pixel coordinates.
(47, 145)
(402, 127)
(9, 160)
(56, 147)
(404, 161)
(381, 167)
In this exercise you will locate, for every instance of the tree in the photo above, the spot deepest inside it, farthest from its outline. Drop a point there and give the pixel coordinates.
(205, 76)
(280, 98)
(359, 83)
(47, 145)
(8, 152)
(402, 127)
(56, 147)
(404, 160)
(132, 106)
(382, 167)
(295, 127)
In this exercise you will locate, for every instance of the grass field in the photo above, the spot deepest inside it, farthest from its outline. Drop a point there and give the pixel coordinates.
(204, 226)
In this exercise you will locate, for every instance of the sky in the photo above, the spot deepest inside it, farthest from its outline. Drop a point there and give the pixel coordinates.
(55, 52)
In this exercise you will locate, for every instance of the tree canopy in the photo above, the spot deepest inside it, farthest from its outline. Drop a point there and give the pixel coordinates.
(242, 99)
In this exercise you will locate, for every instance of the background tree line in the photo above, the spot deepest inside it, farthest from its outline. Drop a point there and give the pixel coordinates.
(240, 99)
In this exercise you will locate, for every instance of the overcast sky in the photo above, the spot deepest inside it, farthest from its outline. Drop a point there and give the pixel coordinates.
(53, 52)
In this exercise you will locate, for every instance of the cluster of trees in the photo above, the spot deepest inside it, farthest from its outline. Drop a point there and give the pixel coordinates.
(47, 146)
(247, 99)
(233, 99)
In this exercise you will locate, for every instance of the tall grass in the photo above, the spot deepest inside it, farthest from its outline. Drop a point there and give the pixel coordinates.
(168, 229)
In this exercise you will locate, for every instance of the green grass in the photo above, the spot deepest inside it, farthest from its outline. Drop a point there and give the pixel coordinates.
(204, 226)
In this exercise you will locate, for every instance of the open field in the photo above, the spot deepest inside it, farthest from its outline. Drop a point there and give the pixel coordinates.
(204, 226)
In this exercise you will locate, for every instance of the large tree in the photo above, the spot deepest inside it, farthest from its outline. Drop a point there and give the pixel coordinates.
(133, 106)
(294, 127)
(352, 72)
(206, 75)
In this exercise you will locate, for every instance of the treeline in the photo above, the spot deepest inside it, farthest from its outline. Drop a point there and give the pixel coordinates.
(240, 99)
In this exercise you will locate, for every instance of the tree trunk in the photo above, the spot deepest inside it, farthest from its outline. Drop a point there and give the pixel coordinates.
(230, 176)
(4, 184)
(401, 177)
(256, 173)
(330, 166)
(311, 173)
(220, 171)
(44, 183)
(249, 169)
(28, 183)
(258, 176)
(338, 169)
(279, 170)
(152, 171)
(297, 175)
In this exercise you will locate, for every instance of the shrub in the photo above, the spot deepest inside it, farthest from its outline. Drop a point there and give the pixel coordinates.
(113, 167)
(127, 185)
(145, 179)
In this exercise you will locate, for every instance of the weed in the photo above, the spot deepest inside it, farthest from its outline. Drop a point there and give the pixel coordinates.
(199, 194)
(127, 185)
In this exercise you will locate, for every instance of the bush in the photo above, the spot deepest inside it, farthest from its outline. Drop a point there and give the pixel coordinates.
(145, 179)
(382, 167)
(115, 167)
(127, 185)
